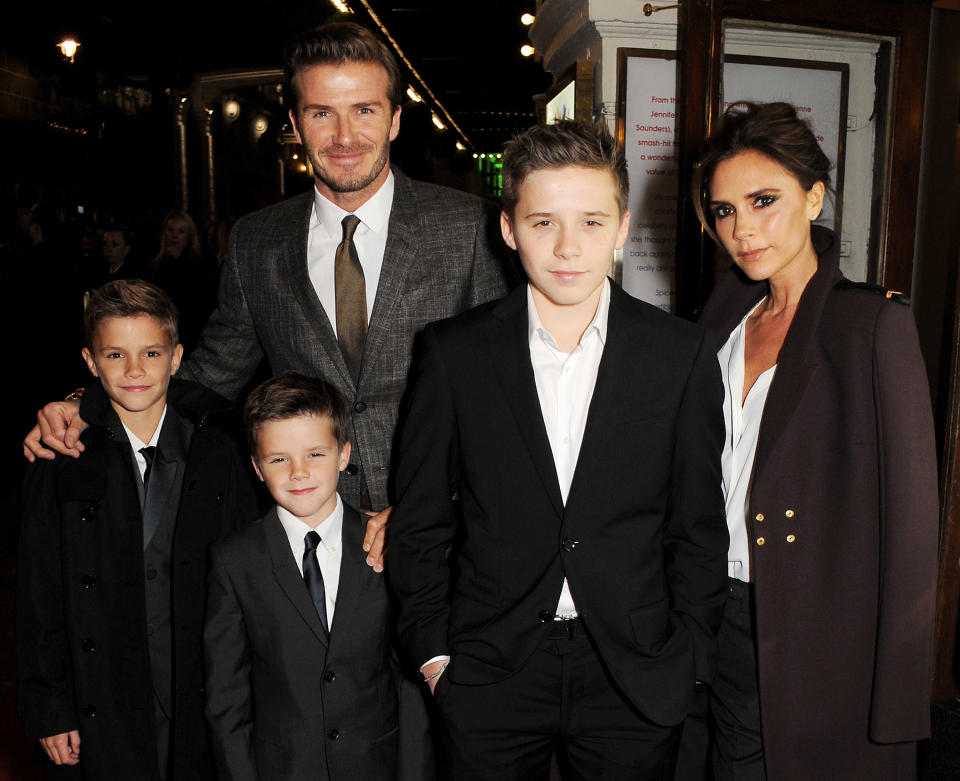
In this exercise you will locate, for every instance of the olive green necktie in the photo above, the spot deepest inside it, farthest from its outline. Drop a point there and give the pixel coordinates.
(351, 293)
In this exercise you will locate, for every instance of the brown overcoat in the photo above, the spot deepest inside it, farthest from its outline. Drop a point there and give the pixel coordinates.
(843, 530)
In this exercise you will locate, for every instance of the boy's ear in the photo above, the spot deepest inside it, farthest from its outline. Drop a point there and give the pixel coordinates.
(256, 467)
(344, 458)
(88, 358)
(176, 358)
(506, 228)
(624, 229)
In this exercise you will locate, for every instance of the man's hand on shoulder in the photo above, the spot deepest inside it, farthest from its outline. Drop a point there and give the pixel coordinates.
(59, 426)
(63, 749)
(375, 537)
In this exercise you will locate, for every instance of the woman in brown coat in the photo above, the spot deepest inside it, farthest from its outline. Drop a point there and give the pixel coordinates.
(829, 475)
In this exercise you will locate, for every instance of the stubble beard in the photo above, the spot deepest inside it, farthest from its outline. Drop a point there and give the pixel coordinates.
(351, 183)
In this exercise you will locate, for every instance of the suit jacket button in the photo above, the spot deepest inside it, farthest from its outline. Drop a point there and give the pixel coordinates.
(88, 581)
(334, 734)
(360, 406)
(88, 646)
(89, 512)
(568, 544)
(220, 498)
(544, 615)
(89, 711)
(352, 469)
(329, 676)
(151, 574)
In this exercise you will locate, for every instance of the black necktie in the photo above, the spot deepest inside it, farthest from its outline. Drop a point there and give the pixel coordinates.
(351, 293)
(148, 453)
(313, 577)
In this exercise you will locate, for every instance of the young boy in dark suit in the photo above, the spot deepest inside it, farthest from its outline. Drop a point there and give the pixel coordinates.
(113, 554)
(302, 679)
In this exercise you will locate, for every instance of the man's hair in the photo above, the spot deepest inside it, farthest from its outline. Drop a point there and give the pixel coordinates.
(121, 229)
(294, 395)
(334, 44)
(129, 298)
(563, 144)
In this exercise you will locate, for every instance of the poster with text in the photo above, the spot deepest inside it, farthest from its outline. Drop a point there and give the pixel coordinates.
(649, 114)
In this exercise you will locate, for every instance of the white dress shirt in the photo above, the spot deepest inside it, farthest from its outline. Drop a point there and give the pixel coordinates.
(325, 234)
(565, 383)
(328, 552)
(742, 422)
(136, 444)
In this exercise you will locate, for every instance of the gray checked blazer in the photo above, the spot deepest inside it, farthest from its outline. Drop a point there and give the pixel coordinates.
(444, 255)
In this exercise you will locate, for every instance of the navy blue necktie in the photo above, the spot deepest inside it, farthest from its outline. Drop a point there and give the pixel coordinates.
(313, 577)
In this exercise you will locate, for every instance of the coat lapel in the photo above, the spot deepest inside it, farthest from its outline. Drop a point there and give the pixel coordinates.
(288, 575)
(352, 566)
(399, 256)
(509, 344)
(293, 252)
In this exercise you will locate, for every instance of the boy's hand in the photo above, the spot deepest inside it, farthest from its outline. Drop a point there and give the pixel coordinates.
(59, 426)
(63, 749)
(375, 537)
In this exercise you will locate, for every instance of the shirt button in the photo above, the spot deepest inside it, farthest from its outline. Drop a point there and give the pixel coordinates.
(334, 734)
(566, 440)
(88, 581)
(759, 517)
(791, 538)
(760, 541)
(88, 646)
(789, 513)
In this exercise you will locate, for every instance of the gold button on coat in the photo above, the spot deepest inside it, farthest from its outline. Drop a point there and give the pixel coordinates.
(760, 540)
(791, 537)
(789, 513)
(760, 517)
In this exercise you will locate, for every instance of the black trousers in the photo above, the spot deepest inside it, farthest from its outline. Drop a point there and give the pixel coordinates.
(562, 700)
(735, 696)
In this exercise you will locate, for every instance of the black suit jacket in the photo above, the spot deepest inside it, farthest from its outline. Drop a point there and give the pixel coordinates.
(286, 701)
(642, 539)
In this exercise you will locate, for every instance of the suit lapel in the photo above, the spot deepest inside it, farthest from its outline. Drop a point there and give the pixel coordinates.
(166, 475)
(509, 345)
(798, 360)
(399, 256)
(294, 256)
(288, 575)
(352, 566)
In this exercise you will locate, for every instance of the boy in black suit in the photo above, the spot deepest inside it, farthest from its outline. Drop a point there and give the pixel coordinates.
(113, 553)
(302, 679)
(581, 430)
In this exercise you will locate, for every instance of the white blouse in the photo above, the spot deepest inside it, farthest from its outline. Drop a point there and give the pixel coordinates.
(742, 422)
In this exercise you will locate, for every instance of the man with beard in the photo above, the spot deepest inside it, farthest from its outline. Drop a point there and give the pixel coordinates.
(336, 282)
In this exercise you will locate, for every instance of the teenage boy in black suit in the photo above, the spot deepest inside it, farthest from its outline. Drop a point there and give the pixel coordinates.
(581, 431)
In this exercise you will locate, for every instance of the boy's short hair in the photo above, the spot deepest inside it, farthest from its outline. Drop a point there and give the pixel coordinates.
(129, 298)
(562, 144)
(293, 395)
(335, 43)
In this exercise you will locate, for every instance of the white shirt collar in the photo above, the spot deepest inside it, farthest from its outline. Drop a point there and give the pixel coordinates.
(330, 529)
(598, 325)
(374, 213)
(135, 442)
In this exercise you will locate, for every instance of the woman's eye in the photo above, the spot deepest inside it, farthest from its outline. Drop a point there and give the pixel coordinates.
(763, 201)
(721, 211)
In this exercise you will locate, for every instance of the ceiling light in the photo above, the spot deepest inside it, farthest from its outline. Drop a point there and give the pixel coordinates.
(341, 6)
(526, 50)
(461, 147)
(412, 94)
(437, 122)
(527, 19)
